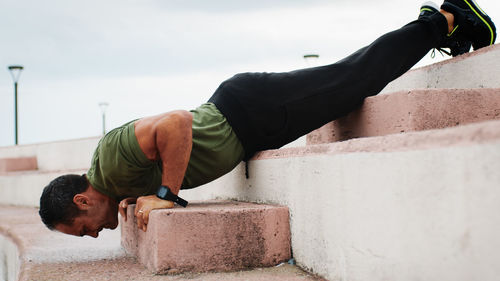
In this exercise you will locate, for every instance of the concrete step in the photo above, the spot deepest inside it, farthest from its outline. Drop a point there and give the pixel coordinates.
(31, 248)
(53, 156)
(17, 164)
(25, 187)
(128, 269)
(26, 169)
(478, 69)
(34, 253)
(414, 110)
(414, 206)
(210, 236)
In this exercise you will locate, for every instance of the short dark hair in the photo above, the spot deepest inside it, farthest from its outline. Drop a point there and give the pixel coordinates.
(56, 202)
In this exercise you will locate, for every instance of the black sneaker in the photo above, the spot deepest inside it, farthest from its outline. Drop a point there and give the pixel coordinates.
(471, 22)
(427, 9)
(455, 43)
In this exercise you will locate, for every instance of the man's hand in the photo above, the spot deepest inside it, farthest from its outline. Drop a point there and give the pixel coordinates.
(122, 207)
(145, 204)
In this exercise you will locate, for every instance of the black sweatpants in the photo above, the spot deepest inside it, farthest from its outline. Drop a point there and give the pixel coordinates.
(269, 110)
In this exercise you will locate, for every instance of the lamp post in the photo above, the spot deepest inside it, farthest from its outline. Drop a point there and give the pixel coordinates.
(103, 106)
(311, 59)
(15, 71)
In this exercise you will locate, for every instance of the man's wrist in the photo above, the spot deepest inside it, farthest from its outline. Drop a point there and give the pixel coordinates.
(165, 193)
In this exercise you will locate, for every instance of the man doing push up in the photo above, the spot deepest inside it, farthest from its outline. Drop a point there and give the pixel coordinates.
(148, 161)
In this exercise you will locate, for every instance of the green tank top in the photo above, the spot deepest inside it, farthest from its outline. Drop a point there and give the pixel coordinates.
(120, 169)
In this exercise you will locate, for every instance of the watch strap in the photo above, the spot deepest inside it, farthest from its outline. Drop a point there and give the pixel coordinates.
(165, 193)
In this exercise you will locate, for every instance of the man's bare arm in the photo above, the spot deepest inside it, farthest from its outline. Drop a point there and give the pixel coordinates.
(166, 137)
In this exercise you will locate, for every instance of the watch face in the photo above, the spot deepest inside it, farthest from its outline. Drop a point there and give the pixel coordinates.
(162, 192)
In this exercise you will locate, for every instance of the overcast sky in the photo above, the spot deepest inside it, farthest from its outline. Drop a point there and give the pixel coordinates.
(144, 57)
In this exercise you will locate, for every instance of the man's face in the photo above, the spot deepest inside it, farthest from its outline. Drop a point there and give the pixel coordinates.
(97, 216)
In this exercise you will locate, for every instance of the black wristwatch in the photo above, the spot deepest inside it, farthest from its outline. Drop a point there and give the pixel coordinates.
(166, 194)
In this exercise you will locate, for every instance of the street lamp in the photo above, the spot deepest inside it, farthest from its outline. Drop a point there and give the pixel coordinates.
(15, 71)
(103, 106)
(311, 59)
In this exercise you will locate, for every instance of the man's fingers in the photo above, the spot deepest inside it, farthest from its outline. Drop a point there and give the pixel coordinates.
(138, 206)
(145, 218)
(145, 204)
(142, 219)
(141, 211)
(122, 209)
(123, 212)
(138, 215)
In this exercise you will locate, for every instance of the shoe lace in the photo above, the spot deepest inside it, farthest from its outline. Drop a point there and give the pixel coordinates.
(441, 51)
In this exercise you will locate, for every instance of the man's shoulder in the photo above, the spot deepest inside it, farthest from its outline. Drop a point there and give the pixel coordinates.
(119, 147)
(109, 146)
(119, 165)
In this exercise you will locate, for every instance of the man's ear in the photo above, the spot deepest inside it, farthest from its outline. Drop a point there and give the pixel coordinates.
(82, 201)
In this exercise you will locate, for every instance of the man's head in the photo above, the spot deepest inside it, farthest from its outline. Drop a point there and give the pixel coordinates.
(69, 204)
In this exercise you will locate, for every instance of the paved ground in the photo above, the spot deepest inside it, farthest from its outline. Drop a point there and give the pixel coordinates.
(129, 269)
(47, 255)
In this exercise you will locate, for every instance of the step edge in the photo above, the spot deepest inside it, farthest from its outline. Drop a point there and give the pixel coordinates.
(427, 139)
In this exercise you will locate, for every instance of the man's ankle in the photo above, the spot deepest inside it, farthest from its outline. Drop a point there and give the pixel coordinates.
(450, 18)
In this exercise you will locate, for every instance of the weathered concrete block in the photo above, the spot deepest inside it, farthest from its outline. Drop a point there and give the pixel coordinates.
(18, 164)
(210, 236)
(409, 111)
